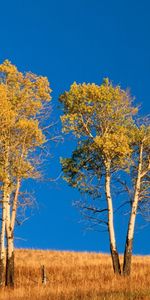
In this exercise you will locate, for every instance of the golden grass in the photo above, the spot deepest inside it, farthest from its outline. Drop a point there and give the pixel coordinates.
(74, 276)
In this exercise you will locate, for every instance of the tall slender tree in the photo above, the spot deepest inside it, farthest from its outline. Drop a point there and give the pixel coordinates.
(101, 115)
(139, 173)
(23, 98)
(7, 117)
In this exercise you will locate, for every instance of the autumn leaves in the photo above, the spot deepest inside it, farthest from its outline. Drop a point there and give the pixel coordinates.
(22, 106)
(110, 142)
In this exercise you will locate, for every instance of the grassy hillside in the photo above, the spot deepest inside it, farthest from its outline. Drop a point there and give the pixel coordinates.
(74, 276)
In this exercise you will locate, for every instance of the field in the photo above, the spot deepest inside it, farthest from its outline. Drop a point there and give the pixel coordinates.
(74, 276)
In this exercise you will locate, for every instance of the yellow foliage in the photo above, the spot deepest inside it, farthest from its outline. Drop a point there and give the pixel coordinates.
(114, 144)
(22, 99)
(102, 113)
(30, 133)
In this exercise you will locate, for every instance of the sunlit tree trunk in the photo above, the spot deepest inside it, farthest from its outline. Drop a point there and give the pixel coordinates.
(113, 248)
(10, 224)
(2, 239)
(131, 226)
(9, 279)
(5, 200)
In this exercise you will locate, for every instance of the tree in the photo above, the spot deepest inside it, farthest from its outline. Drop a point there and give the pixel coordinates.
(102, 116)
(23, 98)
(6, 121)
(139, 172)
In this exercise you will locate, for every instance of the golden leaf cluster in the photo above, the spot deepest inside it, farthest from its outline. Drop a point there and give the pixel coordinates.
(22, 99)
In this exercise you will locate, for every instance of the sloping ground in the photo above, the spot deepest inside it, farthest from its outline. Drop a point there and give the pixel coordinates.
(74, 276)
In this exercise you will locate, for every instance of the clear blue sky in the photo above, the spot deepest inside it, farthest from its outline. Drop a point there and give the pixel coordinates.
(82, 40)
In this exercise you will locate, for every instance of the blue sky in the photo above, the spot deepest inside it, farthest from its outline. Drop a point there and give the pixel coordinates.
(82, 40)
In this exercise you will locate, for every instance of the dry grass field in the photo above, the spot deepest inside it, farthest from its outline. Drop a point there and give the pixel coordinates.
(74, 276)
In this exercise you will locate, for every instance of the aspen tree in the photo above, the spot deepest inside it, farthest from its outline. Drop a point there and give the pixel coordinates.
(25, 99)
(139, 172)
(7, 117)
(30, 137)
(101, 115)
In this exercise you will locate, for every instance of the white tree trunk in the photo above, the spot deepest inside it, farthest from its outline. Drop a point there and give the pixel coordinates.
(5, 201)
(113, 248)
(2, 243)
(9, 279)
(131, 226)
(14, 205)
(10, 224)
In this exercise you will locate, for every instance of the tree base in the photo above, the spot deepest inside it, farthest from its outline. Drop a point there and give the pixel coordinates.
(2, 270)
(127, 258)
(116, 261)
(10, 271)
